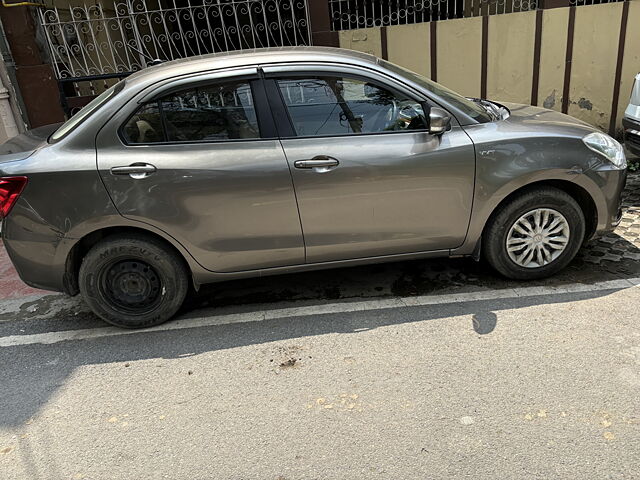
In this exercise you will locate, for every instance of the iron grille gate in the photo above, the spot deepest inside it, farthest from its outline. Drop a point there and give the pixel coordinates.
(91, 46)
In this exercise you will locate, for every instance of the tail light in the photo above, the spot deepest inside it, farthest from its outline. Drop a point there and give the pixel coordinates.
(10, 190)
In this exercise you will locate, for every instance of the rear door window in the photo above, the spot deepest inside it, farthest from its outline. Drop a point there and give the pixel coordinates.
(145, 126)
(212, 113)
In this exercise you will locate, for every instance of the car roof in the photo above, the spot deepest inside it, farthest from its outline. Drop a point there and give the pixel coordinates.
(236, 59)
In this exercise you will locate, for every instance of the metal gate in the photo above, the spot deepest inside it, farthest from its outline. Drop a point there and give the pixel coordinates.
(90, 46)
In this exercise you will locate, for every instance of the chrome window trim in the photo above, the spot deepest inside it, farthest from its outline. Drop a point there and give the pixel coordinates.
(359, 135)
(165, 87)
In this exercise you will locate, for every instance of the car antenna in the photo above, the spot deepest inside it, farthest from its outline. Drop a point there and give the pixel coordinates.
(152, 61)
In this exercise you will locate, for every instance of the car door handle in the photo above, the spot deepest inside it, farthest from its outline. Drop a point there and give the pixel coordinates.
(320, 161)
(136, 170)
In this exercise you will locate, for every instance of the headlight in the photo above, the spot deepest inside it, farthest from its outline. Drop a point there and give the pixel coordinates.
(606, 146)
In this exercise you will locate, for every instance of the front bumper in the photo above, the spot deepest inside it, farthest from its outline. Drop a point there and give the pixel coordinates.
(631, 135)
(605, 185)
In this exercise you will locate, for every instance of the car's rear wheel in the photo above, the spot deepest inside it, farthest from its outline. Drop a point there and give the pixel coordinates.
(535, 234)
(133, 281)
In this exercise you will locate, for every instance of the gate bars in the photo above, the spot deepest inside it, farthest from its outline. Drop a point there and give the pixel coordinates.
(108, 41)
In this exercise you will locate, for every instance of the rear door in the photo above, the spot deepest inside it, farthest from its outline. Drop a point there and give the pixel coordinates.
(369, 177)
(201, 162)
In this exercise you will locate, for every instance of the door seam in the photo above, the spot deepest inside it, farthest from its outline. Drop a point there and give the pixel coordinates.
(295, 195)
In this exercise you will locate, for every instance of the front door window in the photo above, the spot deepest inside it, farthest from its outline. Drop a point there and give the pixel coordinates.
(324, 105)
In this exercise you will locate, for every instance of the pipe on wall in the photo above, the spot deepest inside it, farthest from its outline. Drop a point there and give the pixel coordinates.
(21, 4)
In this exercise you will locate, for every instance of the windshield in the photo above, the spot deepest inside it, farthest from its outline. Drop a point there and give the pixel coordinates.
(86, 111)
(469, 107)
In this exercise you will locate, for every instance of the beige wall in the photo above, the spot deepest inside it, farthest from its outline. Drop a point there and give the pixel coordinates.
(552, 57)
(365, 40)
(410, 46)
(595, 48)
(510, 56)
(459, 55)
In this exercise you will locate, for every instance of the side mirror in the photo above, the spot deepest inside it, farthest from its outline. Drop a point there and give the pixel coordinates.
(439, 121)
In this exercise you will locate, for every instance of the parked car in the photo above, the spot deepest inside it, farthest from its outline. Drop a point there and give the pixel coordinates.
(283, 160)
(631, 120)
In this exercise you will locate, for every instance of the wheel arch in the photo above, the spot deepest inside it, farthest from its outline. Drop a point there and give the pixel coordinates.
(578, 193)
(85, 243)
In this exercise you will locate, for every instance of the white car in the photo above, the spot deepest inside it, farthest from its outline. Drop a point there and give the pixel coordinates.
(631, 120)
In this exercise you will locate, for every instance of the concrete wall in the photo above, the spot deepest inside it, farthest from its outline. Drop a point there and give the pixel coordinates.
(365, 40)
(400, 40)
(510, 56)
(459, 54)
(595, 49)
(552, 58)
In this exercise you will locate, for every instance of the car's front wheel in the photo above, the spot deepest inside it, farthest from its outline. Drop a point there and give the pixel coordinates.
(535, 234)
(133, 281)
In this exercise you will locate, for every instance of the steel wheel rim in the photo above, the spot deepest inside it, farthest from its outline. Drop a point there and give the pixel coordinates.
(538, 238)
(131, 286)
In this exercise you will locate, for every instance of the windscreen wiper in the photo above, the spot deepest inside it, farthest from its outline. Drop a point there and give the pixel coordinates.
(497, 112)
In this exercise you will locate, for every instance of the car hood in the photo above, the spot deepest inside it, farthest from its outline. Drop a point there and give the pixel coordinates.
(23, 146)
(543, 120)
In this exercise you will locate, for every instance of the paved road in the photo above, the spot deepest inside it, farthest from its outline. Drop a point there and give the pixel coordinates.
(526, 382)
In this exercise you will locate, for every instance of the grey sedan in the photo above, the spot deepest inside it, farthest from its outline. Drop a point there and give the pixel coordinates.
(283, 160)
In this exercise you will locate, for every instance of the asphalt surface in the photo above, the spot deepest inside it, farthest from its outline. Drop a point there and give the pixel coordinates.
(465, 381)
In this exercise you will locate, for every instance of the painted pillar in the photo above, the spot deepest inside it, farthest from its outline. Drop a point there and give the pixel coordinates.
(320, 21)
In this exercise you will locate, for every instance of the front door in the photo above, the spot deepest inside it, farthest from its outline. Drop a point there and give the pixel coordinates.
(369, 178)
(195, 163)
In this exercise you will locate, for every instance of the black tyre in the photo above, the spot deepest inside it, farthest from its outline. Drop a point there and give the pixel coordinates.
(133, 281)
(535, 234)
